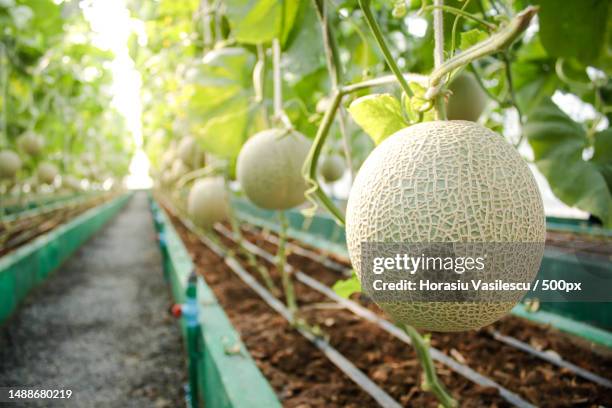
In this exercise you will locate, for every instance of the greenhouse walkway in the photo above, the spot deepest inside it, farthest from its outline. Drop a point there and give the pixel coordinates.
(99, 326)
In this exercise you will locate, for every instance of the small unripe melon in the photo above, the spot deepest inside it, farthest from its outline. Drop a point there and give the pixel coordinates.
(189, 152)
(208, 202)
(179, 169)
(468, 100)
(31, 144)
(47, 172)
(332, 168)
(446, 182)
(269, 168)
(10, 164)
(70, 182)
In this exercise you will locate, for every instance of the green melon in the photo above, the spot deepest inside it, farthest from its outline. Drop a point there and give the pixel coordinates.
(332, 168)
(10, 164)
(47, 172)
(446, 181)
(31, 144)
(189, 152)
(208, 202)
(269, 168)
(468, 100)
(71, 183)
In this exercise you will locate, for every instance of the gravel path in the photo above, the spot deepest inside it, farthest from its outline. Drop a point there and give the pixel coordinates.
(100, 326)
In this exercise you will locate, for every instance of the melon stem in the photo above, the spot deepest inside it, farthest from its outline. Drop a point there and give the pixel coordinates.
(380, 40)
(281, 258)
(251, 259)
(431, 381)
(438, 23)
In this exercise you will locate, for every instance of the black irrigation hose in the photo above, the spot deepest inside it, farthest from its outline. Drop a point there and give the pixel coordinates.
(387, 326)
(553, 359)
(508, 340)
(356, 375)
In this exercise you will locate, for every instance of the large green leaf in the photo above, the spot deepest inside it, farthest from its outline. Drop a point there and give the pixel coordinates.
(260, 21)
(602, 154)
(573, 28)
(304, 53)
(379, 115)
(46, 18)
(221, 110)
(558, 144)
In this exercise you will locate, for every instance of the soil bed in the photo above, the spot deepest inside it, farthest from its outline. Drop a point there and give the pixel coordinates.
(298, 371)
(541, 383)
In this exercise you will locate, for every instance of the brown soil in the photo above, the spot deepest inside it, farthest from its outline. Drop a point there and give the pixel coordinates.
(300, 374)
(23, 231)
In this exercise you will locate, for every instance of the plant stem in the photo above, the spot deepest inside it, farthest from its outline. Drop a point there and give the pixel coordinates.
(192, 175)
(462, 13)
(476, 72)
(281, 257)
(206, 33)
(439, 102)
(5, 64)
(495, 43)
(276, 75)
(309, 170)
(431, 381)
(333, 67)
(375, 29)
(384, 80)
(251, 259)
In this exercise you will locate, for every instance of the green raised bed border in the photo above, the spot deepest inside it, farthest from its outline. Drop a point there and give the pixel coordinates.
(577, 318)
(224, 377)
(47, 199)
(31, 264)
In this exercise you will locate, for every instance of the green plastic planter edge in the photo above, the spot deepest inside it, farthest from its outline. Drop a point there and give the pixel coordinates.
(31, 264)
(226, 374)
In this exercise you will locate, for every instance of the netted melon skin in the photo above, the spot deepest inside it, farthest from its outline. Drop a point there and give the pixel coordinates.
(445, 181)
(208, 202)
(269, 168)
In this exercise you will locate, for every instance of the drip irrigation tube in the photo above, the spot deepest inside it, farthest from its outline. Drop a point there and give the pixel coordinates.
(386, 325)
(508, 340)
(356, 375)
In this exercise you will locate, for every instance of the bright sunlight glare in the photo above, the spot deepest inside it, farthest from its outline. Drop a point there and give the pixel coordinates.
(112, 25)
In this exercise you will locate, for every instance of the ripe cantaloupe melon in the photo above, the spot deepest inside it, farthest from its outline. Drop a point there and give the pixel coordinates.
(440, 182)
(31, 144)
(332, 168)
(10, 164)
(269, 168)
(47, 172)
(468, 99)
(208, 202)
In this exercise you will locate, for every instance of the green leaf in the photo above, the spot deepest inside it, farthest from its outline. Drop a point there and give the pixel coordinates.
(305, 53)
(260, 21)
(558, 143)
(347, 287)
(573, 28)
(471, 37)
(379, 115)
(602, 154)
(47, 17)
(220, 95)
